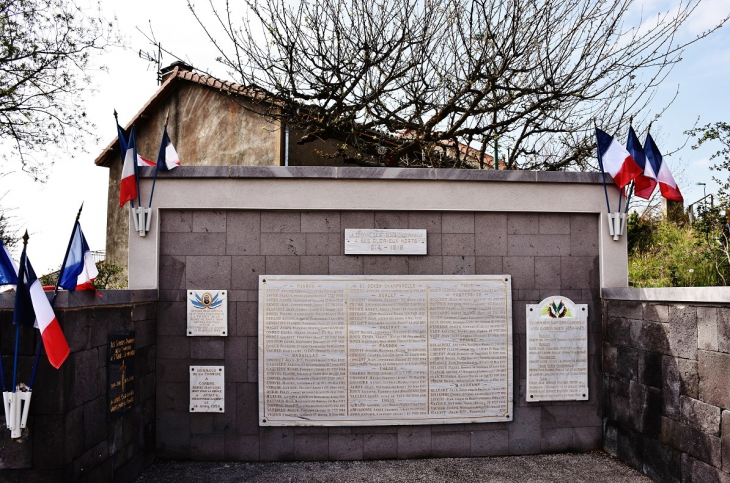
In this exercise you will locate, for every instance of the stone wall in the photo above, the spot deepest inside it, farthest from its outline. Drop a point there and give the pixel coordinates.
(546, 254)
(69, 436)
(666, 382)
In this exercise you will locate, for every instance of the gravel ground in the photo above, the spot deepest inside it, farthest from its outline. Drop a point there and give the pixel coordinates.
(573, 468)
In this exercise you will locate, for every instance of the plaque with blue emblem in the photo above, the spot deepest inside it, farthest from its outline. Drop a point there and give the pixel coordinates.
(207, 313)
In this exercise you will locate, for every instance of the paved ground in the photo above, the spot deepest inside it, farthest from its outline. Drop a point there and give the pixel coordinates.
(564, 468)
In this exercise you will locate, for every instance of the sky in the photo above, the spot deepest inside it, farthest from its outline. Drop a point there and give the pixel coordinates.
(47, 210)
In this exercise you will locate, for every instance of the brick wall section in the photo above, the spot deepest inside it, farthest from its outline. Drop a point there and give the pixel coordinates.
(666, 380)
(546, 254)
(69, 437)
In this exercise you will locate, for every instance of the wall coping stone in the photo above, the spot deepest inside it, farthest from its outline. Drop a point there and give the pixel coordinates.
(669, 294)
(353, 172)
(87, 298)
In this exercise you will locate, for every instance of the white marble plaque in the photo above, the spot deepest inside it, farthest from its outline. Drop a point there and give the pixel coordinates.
(207, 389)
(207, 313)
(557, 351)
(385, 242)
(384, 350)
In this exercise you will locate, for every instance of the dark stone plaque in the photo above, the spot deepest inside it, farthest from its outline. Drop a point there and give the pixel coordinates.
(120, 373)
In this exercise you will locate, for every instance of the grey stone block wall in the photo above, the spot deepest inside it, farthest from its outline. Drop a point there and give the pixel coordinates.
(666, 381)
(69, 437)
(546, 254)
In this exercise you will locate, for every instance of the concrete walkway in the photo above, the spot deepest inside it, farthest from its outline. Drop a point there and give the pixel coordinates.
(564, 468)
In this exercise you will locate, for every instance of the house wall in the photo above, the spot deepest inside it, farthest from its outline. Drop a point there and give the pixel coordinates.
(207, 128)
(69, 436)
(227, 249)
(666, 381)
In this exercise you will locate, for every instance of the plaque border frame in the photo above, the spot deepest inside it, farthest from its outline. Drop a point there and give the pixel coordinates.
(188, 293)
(367, 421)
(578, 307)
(350, 250)
(222, 370)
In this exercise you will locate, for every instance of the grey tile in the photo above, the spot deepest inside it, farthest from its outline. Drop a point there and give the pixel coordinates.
(457, 244)
(458, 265)
(320, 222)
(280, 222)
(380, 446)
(323, 244)
(489, 443)
(579, 272)
(179, 221)
(554, 224)
(547, 273)
(241, 447)
(538, 245)
(414, 442)
(457, 222)
(346, 265)
(523, 437)
(247, 319)
(425, 220)
(314, 265)
(556, 440)
(489, 266)
(206, 348)
(584, 235)
(283, 244)
(277, 444)
(209, 221)
(208, 273)
(192, 243)
(245, 272)
(391, 219)
(311, 447)
(282, 265)
(490, 234)
(345, 447)
(523, 224)
(428, 265)
(385, 265)
(356, 219)
(172, 272)
(450, 444)
(243, 232)
(522, 270)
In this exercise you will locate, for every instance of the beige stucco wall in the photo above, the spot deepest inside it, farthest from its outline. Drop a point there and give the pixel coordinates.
(291, 193)
(207, 128)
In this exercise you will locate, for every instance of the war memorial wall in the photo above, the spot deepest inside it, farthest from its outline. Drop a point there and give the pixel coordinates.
(375, 313)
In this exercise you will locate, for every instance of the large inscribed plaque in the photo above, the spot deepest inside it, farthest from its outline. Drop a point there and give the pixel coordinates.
(557, 351)
(379, 350)
(207, 389)
(385, 242)
(207, 313)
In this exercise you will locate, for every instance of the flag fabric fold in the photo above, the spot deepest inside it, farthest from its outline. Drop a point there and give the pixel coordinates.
(128, 187)
(615, 160)
(8, 267)
(167, 158)
(667, 185)
(80, 270)
(645, 183)
(32, 308)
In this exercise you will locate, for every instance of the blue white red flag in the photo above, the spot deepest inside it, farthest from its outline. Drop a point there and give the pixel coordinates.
(8, 267)
(128, 187)
(32, 308)
(124, 144)
(167, 158)
(615, 160)
(667, 185)
(80, 270)
(645, 183)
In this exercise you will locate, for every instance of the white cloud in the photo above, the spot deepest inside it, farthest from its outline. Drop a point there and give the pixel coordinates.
(701, 163)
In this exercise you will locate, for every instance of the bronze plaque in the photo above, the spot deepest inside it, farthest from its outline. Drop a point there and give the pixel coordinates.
(120, 373)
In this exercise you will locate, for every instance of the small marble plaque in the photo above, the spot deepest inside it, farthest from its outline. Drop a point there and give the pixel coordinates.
(557, 351)
(120, 373)
(385, 242)
(207, 313)
(207, 389)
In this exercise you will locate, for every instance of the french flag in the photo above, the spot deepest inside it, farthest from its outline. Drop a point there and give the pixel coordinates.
(615, 160)
(123, 145)
(128, 188)
(167, 158)
(144, 161)
(8, 267)
(33, 309)
(667, 185)
(645, 183)
(80, 270)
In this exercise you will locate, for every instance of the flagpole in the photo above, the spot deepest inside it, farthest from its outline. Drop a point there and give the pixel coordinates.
(603, 174)
(116, 118)
(157, 167)
(55, 292)
(17, 326)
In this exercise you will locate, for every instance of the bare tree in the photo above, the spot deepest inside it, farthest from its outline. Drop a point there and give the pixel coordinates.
(409, 78)
(45, 48)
